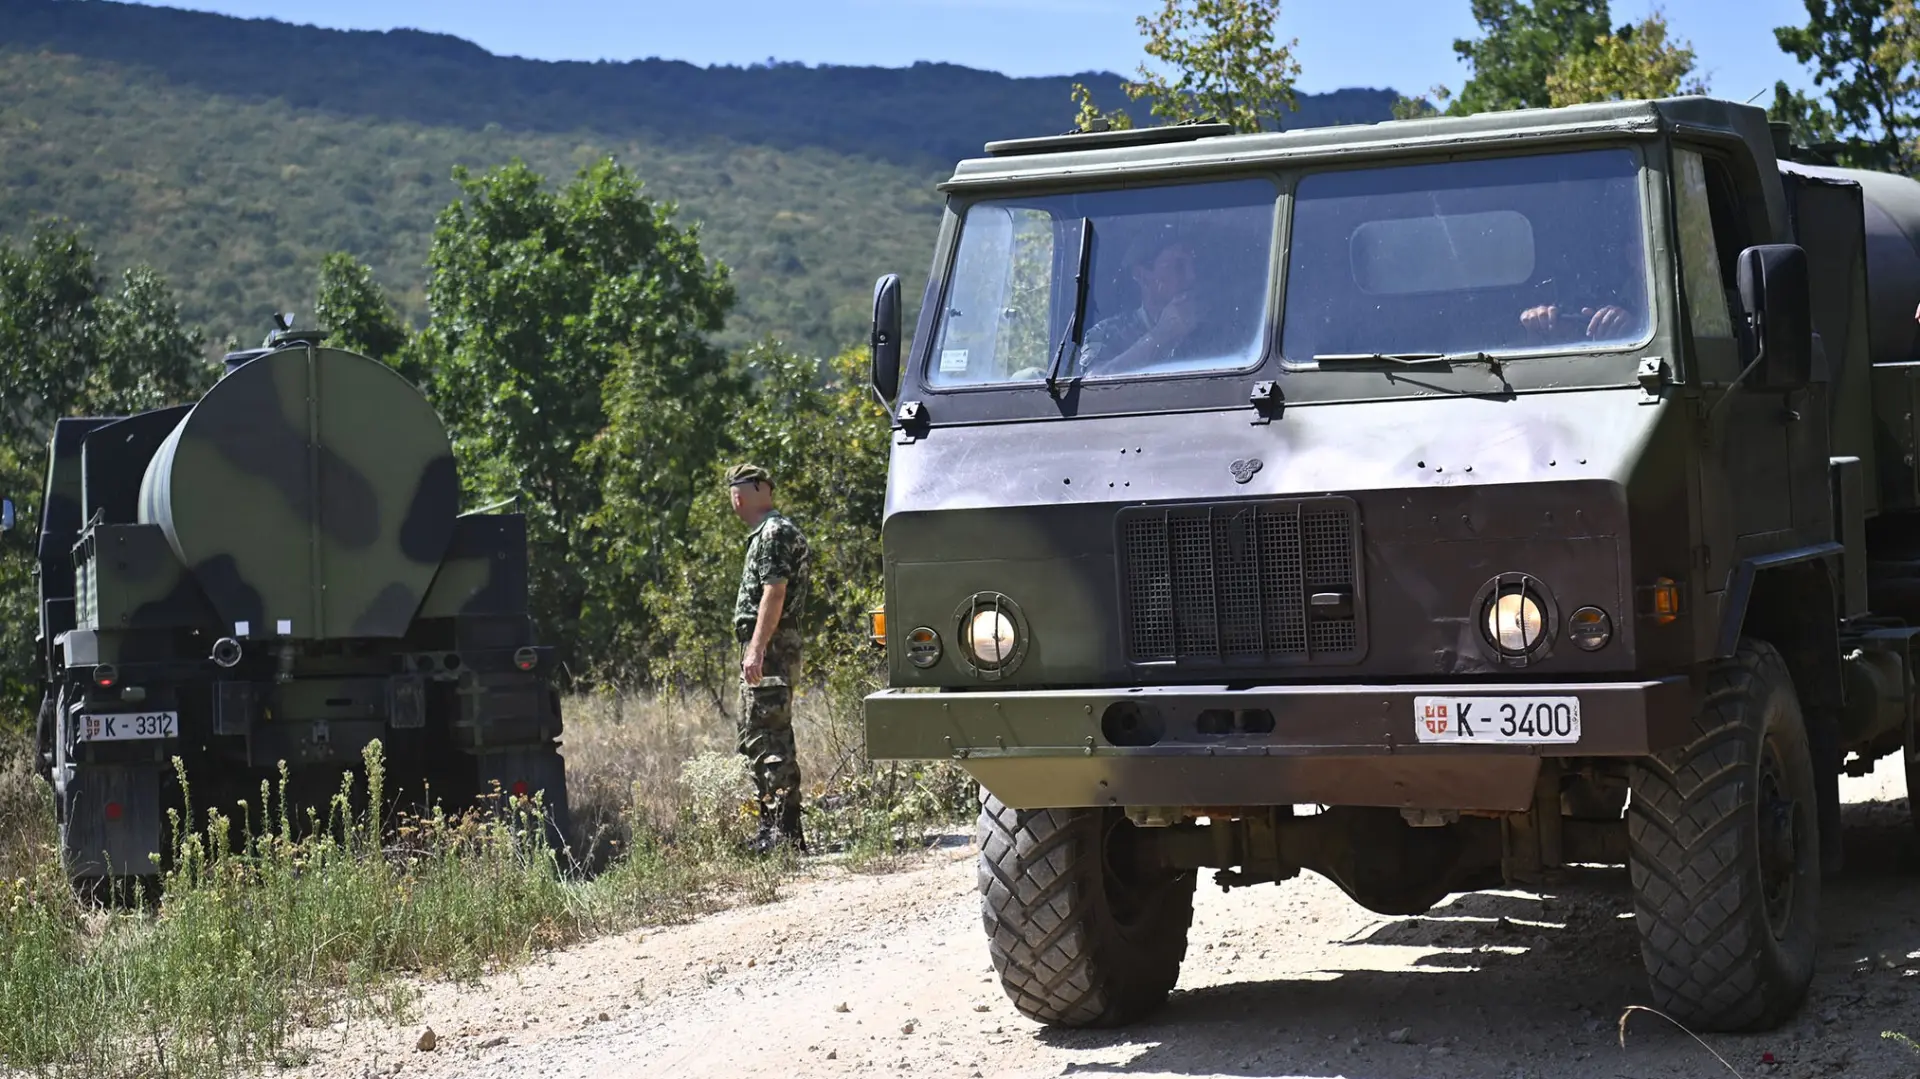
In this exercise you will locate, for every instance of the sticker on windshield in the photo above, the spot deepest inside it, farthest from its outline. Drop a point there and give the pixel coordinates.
(952, 360)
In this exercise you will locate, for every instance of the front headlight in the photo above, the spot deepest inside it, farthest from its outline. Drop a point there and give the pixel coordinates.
(1515, 622)
(991, 638)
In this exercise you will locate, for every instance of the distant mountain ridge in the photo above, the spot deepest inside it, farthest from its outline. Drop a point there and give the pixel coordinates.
(232, 154)
(926, 111)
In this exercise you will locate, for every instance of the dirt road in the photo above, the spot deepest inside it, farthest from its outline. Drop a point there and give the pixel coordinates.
(887, 975)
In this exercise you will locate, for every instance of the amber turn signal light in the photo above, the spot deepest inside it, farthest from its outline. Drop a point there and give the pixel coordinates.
(877, 625)
(1665, 595)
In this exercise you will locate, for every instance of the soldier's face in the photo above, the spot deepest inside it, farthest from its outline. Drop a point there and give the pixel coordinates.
(748, 498)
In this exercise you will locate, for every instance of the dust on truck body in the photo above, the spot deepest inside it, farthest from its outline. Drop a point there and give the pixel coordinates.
(1525, 490)
(278, 572)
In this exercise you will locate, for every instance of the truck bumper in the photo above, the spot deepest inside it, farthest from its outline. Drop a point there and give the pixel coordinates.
(1201, 746)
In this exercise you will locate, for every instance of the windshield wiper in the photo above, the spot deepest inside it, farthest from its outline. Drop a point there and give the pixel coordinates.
(1081, 280)
(1412, 359)
(1495, 365)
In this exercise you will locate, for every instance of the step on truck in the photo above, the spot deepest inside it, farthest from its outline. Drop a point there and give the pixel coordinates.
(1433, 505)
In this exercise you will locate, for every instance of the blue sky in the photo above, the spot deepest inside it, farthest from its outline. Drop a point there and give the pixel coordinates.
(1404, 44)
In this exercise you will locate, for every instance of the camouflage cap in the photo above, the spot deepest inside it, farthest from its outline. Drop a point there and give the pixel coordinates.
(740, 474)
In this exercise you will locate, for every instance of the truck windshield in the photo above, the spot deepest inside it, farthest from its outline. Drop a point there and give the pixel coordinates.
(1177, 280)
(1508, 255)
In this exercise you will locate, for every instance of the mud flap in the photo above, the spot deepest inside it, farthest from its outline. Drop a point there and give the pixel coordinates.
(524, 771)
(111, 824)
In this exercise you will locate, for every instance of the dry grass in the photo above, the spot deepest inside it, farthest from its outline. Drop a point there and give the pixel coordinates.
(264, 935)
(627, 756)
(26, 811)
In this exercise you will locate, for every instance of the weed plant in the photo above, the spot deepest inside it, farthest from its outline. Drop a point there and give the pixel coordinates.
(271, 923)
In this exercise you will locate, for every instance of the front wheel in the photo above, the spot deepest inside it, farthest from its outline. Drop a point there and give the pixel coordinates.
(1084, 932)
(1725, 853)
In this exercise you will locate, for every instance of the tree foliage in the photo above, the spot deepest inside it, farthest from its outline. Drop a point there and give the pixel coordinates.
(70, 345)
(569, 352)
(1227, 64)
(817, 429)
(1633, 62)
(1521, 44)
(356, 311)
(1865, 54)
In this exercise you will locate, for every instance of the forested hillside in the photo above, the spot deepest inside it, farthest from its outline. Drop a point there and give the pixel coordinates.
(232, 154)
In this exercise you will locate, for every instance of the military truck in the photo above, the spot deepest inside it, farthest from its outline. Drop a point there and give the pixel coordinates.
(1434, 505)
(278, 572)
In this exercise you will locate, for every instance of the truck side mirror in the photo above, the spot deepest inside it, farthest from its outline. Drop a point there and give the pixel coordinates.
(1775, 297)
(6, 514)
(886, 338)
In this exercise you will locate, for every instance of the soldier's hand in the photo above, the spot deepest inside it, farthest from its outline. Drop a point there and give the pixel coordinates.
(750, 665)
(1608, 321)
(1540, 320)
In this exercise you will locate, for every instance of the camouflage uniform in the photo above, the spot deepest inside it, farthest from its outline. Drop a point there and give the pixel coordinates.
(776, 551)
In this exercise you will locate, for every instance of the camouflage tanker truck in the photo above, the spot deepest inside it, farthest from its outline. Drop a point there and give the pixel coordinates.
(278, 572)
(1506, 492)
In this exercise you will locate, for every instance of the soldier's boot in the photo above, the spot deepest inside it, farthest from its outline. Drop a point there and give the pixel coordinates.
(768, 835)
(792, 832)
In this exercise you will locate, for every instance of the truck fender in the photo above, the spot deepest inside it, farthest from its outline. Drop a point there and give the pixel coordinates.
(1790, 600)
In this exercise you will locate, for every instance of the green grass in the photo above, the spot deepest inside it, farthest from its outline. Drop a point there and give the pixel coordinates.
(266, 932)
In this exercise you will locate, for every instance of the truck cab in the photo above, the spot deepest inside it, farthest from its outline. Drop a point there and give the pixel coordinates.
(1474, 480)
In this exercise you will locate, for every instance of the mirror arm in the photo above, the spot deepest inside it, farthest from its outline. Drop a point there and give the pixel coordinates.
(1759, 357)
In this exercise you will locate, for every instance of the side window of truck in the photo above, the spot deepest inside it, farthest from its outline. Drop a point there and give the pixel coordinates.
(1704, 260)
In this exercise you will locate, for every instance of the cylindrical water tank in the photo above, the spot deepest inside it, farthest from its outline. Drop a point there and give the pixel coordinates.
(1892, 210)
(312, 493)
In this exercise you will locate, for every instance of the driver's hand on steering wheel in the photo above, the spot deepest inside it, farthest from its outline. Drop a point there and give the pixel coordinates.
(1602, 322)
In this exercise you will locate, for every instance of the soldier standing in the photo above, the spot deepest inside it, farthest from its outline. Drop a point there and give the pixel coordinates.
(766, 613)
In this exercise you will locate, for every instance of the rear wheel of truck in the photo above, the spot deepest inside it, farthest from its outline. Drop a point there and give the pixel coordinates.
(1725, 853)
(1083, 931)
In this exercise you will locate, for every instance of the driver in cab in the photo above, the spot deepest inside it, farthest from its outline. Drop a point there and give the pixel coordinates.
(1166, 273)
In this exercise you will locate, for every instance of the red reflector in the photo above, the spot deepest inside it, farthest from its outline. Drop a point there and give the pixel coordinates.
(520, 788)
(526, 665)
(106, 681)
(114, 811)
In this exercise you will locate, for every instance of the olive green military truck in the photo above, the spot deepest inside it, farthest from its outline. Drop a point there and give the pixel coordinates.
(278, 572)
(1432, 505)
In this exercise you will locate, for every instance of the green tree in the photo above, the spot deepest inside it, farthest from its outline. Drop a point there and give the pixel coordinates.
(70, 345)
(1225, 61)
(568, 352)
(1522, 43)
(353, 306)
(816, 427)
(1864, 53)
(1633, 62)
(1088, 116)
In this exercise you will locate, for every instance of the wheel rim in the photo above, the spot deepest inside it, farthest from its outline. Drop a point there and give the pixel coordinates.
(1781, 836)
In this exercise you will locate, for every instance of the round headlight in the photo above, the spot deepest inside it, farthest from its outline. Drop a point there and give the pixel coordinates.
(991, 638)
(1515, 622)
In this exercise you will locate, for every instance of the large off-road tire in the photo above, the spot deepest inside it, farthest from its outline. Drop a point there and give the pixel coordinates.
(1083, 934)
(1725, 853)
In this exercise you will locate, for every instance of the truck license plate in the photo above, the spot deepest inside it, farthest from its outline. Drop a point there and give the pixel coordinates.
(126, 726)
(1497, 720)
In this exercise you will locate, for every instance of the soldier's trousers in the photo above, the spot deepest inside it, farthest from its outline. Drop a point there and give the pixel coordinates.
(765, 726)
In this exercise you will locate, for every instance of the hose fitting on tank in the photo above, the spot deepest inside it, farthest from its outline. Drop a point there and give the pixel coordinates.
(226, 652)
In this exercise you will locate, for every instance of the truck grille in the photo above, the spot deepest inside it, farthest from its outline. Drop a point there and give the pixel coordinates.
(1237, 582)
